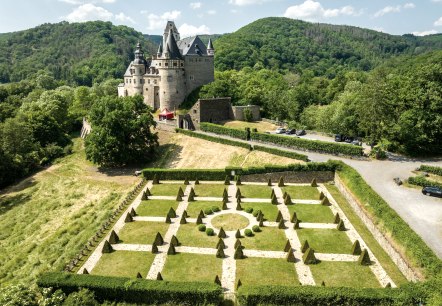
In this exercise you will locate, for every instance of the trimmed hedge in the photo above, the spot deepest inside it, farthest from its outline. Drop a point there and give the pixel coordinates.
(431, 169)
(388, 220)
(132, 290)
(422, 181)
(286, 141)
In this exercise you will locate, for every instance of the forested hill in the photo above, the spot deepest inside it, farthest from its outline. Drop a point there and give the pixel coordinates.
(323, 48)
(80, 53)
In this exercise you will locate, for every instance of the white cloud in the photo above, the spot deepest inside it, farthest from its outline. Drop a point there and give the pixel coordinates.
(438, 22)
(246, 2)
(436, 0)
(423, 33)
(312, 10)
(393, 9)
(109, 1)
(211, 12)
(78, 2)
(123, 18)
(158, 21)
(187, 30)
(75, 2)
(88, 12)
(195, 5)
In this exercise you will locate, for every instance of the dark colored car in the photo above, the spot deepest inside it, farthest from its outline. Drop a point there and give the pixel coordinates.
(349, 139)
(290, 132)
(432, 191)
(300, 133)
(339, 137)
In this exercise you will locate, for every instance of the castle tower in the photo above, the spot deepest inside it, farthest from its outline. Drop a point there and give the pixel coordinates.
(210, 49)
(160, 50)
(170, 26)
(138, 69)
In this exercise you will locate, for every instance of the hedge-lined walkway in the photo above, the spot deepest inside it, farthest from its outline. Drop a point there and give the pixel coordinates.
(229, 274)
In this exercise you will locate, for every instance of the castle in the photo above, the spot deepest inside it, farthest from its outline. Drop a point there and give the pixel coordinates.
(179, 67)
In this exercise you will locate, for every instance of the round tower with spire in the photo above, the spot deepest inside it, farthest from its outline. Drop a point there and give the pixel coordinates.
(138, 69)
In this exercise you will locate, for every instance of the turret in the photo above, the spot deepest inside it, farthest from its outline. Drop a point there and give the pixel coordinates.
(138, 69)
(172, 50)
(210, 49)
(160, 50)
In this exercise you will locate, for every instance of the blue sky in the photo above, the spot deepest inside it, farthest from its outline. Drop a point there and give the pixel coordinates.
(222, 16)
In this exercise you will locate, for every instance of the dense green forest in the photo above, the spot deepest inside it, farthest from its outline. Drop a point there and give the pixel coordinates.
(294, 45)
(78, 53)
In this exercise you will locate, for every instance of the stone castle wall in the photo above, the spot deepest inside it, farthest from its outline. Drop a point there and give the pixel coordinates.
(238, 112)
(200, 70)
(210, 110)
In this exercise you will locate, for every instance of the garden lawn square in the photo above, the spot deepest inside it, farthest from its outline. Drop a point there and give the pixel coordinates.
(184, 267)
(326, 240)
(266, 271)
(194, 207)
(156, 208)
(343, 274)
(270, 211)
(312, 213)
(140, 232)
(124, 264)
(210, 190)
(270, 239)
(166, 189)
(189, 235)
(255, 191)
(302, 192)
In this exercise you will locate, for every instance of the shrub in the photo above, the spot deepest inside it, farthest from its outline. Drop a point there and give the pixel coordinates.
(128, 218)
(107, 248)
(305, 246)
(341, 226)
(291, 256)
(85, 271)
(279, 216)
(139, 275)
(356, 248)
(186, 181)
(422, 181)
(256, 229)
(225, 206)
(171, 250)
(281, 182)
(239, 254)
(168, 220)
(222, 233)
(154, 248)
(171, 213)
(309, 257)
(215, 209)
(287, 246)
(238, 181)
(227, 180)
(181, 174)
(431, 169)
(281, 224)
(269, 182)
(220, 252)
(185, 214)
(313, 183)
(237, 243)
(199, 220)
(225, 194)
(159, 277)
(220, 243)
(256, 212)
(208, 211)
(174, 241)
(155, 179)
(249, 210)
(113, 238)
(181, 192)
(238, 193)
(201, 214)
(294, 217)
(238, 205)
(197, 181)
(217, 280)
(296, 225)
(321, 195)
(364, 258)
(238, 234)
(183, 220)
(179, 198)
(202, 228)
(325, 201)
(288, 200)
(248, 232)
(337, 219)
(210, 232)
(274, 200)
(158, 239)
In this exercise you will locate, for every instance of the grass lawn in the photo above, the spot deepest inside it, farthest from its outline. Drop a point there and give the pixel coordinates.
(326, 240)
(124, 264)
(189, 235)
(255, 191)
(194, 208)
(302, 192)
(192, 267)
(266, 271)
(385, 260)
(230, 222)
(260, 125)
(140, 232)
(344, 274)
(166, 189)
(270, 239)
(270, 211)
(155, 208)
(210, 190)
(312, 213)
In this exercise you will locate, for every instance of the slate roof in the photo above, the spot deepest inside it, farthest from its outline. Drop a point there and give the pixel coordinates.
(192, 46)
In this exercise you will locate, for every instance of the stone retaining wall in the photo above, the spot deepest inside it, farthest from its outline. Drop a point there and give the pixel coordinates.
(291, 177)
(402, 264)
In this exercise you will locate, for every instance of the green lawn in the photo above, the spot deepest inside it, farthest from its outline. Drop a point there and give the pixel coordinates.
(266, 271)
(194, 208)
(270, 211)
(255, 191)
(385, 260)
(140, 232)
(210, 190)
(124, 264)
(155, 208)
(344, 274)
(270, 239)
(192, 267)
(326, 240)
(302, 192)
(189, 235)
(312, 213)
(230, 222)
(167, 189)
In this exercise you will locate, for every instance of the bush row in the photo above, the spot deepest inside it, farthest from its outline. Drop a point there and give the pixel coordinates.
(279, 152)
(286, 141)
(431, 169)
(389, 220)
(422, 181)
(135, 290)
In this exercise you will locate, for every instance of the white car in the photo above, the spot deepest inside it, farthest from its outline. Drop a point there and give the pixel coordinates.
(280, 130)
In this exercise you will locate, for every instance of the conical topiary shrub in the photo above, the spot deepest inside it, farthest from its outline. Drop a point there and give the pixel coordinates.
(139, 275)
(341, 226)
(281, 182)
(325, 201)
(274, 200)
(181, 192)
(224, 207)
(144, 197)
(388, 285)
(171, 213)
(272, 193)
(239, 254)
(225, 199)
(220, 243)
(186, 181)
(217, 281)
(261, 223)
(155, 179)
(337, 219)
(259, 216)
(238, 181)
(179, 198)
(222, 233)
(113, 238)
(321, 195)
(227, 180)
(159, 277)
(238, 205)
(237, 244)
(85, 271)
(290, 256)
(278, 216)
(201, 214)
(220, 252)
(238, 193)
(191, 198)
(281, 224)
(225, 194)
(296, 225)
(183, 220)
(159, 239)
(284, 195)
(192, 192)
(294, 217)
(309, 257)
(199, 220)
(323, 284)
(313, 183)
(288, 200)
(197, 182)
(174, 241)
(364, 258)
(171, 250)
(185, 214)
(288, 246)
(154, 248)
(128, 218)
(168, 220)
(107, 248)
(269, 182)
(132, 212)
(238, 234)
(356, 248)
(305, 246)
(148, 193)
(238, 284)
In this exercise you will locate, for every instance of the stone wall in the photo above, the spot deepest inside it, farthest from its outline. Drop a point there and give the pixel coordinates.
(200, 70)
(402, 264)
(210, 110)
(238, 112)
(291, 177)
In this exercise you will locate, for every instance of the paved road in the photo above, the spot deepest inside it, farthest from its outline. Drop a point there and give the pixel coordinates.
(422, 213)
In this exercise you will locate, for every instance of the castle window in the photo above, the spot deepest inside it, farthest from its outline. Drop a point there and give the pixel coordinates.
(140, 71)
(147, 89)
(155, 81)
(191, 77)
(159, 64)
(194, 111)
(177, 91)
(130, 81)
(135, 81)
(148, 81)
(127, 81)
(182, 64)
(175, 64)
(166, 64)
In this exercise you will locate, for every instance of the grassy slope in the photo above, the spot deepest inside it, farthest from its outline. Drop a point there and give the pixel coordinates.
(47, 218)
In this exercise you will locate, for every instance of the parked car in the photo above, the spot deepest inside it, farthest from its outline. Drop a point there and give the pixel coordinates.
(291, 132)
(339, 137)
(398, 181)
(432, 191)
(280, 130)
(356, 142)
(349, 139)
(300, 133)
